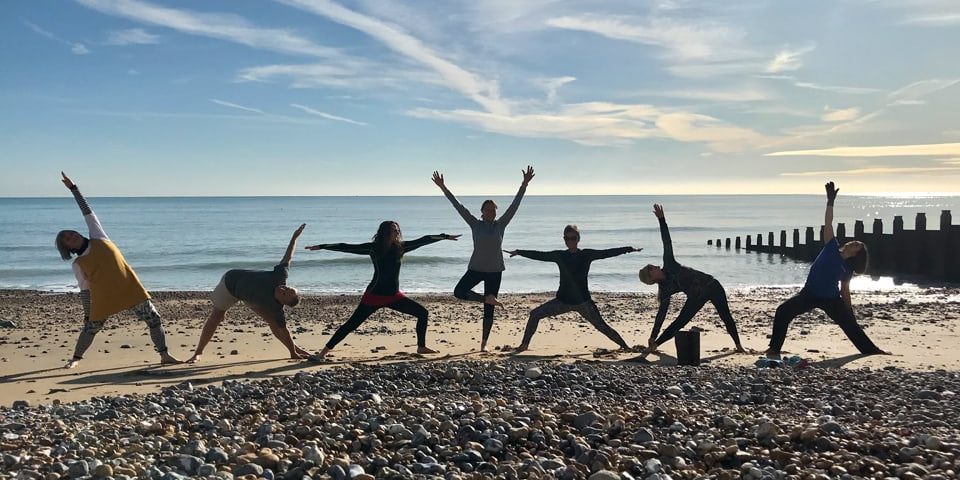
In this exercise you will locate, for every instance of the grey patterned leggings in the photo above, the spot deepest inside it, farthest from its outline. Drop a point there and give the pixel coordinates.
(144, 311)
(588, 310)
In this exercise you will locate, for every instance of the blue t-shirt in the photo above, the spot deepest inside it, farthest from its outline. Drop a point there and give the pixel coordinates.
(827, 271)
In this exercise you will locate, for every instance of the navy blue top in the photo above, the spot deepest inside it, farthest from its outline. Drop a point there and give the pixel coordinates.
(827, 271)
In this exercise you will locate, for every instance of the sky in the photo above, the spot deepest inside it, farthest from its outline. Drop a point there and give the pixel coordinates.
(369, 97)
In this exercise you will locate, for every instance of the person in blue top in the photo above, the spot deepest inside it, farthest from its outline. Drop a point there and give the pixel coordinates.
(834, 266)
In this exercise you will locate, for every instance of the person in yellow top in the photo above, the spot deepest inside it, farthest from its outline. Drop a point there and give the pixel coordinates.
(108, 285)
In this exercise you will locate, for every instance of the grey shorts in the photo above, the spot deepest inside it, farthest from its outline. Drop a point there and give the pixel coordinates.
(221, 297)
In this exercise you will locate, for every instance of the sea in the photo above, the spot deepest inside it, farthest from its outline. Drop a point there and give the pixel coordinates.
(187, 243)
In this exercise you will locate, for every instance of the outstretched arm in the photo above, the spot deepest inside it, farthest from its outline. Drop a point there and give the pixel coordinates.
(512, 209)
(467, 217)
(427, 240)
(610, 252)
(93, 223)
(288, 255)
(535, 255)
(664, 235)
(355, 248)
(828, 213)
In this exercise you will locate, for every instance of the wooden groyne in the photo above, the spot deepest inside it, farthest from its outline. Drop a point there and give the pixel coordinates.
(920, 252)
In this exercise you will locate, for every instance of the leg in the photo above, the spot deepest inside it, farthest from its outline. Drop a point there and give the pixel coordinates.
(687, 312)
(718, 297)
(786, 312)
(590, 312)
(89, 331)
(491, 288)
(411, 307)
(280, 331)
(359, 315)
(843, 316)
(209, 328)
(464, 287)
(148, 314)
(551, 308)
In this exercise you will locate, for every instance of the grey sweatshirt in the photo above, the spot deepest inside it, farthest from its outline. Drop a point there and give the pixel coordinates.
(487, 236)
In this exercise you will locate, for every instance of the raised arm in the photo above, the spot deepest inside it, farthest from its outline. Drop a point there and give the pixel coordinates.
(411, 245)
(828, 212)
(610, 252)
(93, 223)
(512, 209)
(661, 315)
(354, 248)
(467, 217)
(664, 235)
(288, 255)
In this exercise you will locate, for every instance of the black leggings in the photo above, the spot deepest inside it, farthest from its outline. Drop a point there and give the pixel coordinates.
(835, 308)
(716, 295)
(588, 310)
(363, 311)
(491, 286)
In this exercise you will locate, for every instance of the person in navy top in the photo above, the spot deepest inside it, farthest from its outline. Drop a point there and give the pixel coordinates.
(828, 288)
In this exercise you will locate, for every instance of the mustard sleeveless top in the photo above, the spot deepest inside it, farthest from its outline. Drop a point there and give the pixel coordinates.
(114, 287)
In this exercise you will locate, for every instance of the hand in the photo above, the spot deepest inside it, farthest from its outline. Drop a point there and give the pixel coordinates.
(438, 179)
(299, 230)
(316, 247)
(652, 344)
(831, 192)
(658, 210)
(451, 237)
(513, 253)
(635, 249)
(527, 175)
(66, 181)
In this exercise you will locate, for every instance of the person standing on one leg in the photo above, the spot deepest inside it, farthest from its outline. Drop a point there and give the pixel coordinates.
(699, 287)
(386, 251)
(486, 262)
(265, 292)
(108, 285)
(573, 293)
(834, 265)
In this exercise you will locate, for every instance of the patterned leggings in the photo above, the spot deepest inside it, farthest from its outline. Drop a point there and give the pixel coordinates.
(588, 310)
(144, 311)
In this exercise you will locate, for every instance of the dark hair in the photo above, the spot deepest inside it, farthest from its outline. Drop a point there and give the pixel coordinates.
(572, 228)
(488, 202)
(381, 240)
(859, 262)
(66, 252)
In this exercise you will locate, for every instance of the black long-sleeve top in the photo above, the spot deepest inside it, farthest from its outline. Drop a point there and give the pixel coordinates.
(386, 266)
(678, 279)
(574, 267)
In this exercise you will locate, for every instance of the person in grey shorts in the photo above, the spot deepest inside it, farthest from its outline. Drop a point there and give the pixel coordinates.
(486, 262)
(573, 295)
(265, 292)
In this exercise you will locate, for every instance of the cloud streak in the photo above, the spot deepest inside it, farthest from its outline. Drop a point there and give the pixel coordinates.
(325, 115)
(75, 47)
(874, 171)
(788, 59)
(236, 106)
(934, 149)
(131, 36)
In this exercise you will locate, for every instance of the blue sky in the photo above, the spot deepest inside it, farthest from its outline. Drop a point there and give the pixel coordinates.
(368, 97)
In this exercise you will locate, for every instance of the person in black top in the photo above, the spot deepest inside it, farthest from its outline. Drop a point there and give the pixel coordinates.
(386, 251)
(699, 287)
(265, 292)
(573, 293)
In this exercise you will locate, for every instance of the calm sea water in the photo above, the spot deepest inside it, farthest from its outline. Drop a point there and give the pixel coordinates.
(187, 243)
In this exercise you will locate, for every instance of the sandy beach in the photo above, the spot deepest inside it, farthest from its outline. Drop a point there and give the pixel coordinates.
(920, 329)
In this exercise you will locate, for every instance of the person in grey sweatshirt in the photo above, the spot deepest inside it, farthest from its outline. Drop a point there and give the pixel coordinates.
(486, 262)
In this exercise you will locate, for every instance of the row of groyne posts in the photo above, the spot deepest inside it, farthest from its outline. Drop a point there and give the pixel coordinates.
(932, 255)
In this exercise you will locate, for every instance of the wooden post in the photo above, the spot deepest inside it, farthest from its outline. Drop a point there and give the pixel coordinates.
(821, 234)
(858, 230)
(770, 243)
(876, 245)
(841, 232)
(949, 253)
(810, 247)
(727, 244)
(709, 242)
(759, 241)
(738, 243)
(902, 254)
(796, 238)
(749, 242)
(924, 253)
(783, 242)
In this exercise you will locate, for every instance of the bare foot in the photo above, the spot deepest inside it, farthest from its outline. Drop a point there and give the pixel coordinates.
(319, 357)
(521, 348)
(167, 359)
(625, 348)
(483, 347)
(426, 350)
(72, 364)
(492, 300)
(740, 349)
(772, 354)
(195, 358)
(296, 355)
(302, 352)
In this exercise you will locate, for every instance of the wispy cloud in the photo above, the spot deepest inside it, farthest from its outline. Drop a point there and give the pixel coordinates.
(789, 59)
(838, 88)
(912, 94)
(75, 47)
(875, 171)
(935, 20)
(483, 91)
(325, 115)
(934, 150)
(552, 85)
(131, 36)
(350, 74)
(229, 27)
(712, 95)
(236, 106)
(840, 115)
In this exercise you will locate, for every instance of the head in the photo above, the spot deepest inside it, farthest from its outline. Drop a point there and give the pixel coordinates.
(388, 235)
(69, 242)
(488, 211)
(286, 295)
(571, 236)
(855, 255)
(651, 274)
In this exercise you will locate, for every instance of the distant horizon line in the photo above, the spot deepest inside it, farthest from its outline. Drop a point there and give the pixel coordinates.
(873, 194)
